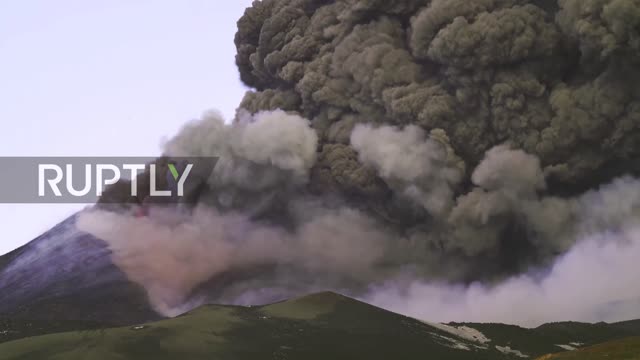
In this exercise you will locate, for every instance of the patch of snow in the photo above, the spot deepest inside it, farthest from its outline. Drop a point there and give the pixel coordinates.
(509, 351)
(452, 343)
(460, 346)
(567, 347)
(139, 327)
(576, 344)
(463, 332)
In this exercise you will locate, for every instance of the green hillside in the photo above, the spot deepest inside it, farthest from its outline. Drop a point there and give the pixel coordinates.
(320, 326)
(555, 337)
(625, 349)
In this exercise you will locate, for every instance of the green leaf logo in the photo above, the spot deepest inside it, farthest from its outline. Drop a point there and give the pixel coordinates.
(174, 171)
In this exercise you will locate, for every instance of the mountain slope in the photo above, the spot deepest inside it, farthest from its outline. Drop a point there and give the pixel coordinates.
(67, 275)
(318, 326)
(64, 280)
(556, 337)
(624, 349)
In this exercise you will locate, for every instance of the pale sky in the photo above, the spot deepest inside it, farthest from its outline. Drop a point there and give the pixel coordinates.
(107, 78)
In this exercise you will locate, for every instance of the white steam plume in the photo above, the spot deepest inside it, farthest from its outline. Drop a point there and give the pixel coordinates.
(595, 281)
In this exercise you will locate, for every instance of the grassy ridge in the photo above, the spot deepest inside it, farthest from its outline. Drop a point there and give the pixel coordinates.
(547, 338)
(625, 349)
(319, 326)
(322, 326)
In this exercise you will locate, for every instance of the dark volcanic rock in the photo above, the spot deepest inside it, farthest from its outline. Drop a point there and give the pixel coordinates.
(67, 275)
